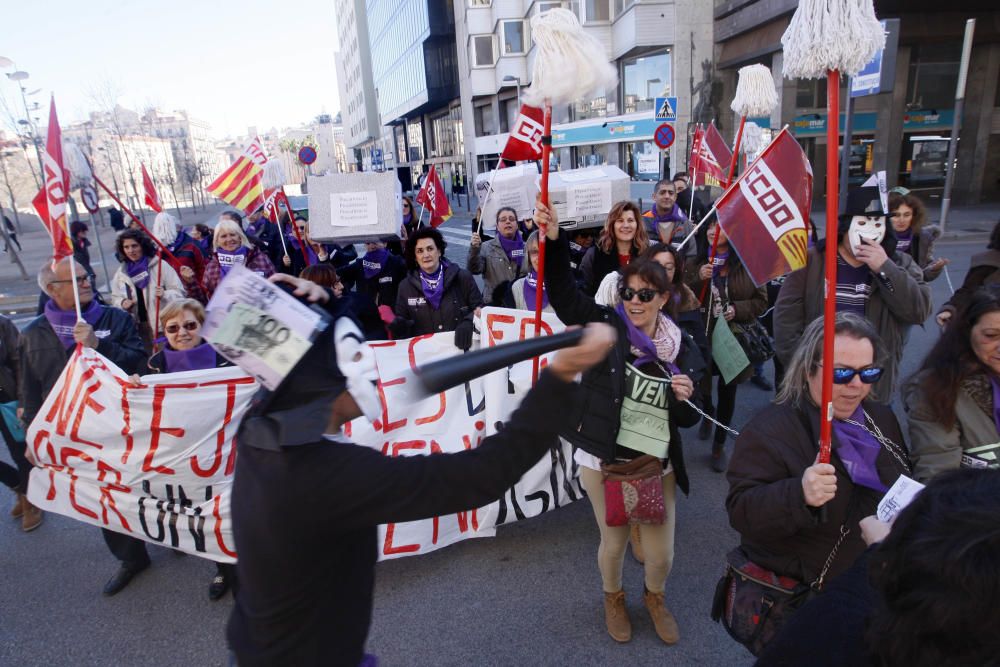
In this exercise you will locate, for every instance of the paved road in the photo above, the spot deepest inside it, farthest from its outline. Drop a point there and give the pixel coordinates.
(529, 596)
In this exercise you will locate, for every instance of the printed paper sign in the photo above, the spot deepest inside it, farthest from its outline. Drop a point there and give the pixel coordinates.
(589, 199)
(354, 209)
(897, 497)
(645, 426)
(726, 351)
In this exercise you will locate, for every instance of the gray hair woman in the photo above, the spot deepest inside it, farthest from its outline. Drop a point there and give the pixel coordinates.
(776, 487)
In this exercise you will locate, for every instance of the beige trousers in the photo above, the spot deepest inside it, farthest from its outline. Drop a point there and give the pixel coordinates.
(657, 541)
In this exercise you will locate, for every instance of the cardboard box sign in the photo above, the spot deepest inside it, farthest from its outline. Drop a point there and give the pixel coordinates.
(514, 187)
(345, 208)
(583, 197)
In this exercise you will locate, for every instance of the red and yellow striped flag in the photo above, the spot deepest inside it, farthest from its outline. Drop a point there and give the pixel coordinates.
(242, 184)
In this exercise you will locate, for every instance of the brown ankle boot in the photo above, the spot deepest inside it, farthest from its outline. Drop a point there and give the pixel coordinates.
(633, 538)
(616, 617)
(32, 517)
(663, 620)
(18, 509)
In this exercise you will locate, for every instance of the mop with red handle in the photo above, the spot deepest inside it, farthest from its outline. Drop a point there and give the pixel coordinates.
(570, 65)
(827, 38)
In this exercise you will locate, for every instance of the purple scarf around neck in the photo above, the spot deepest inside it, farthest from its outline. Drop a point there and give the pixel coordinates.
(641, 341)
(531, 291)
(858, 450)
(433, 285)
(995, 383)
(63, 321)
(513, 248)
(196, 359)
(228, 260)
(138, 272)
(294, 242)
(373, 261)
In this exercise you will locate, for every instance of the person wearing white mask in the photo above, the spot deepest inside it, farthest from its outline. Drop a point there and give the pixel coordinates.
(873, 280)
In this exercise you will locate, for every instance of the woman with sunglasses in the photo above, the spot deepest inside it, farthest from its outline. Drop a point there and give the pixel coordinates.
(953, 399)
(796, 517)
(294, 262)
(634, 404)
(186, 350)
(409, 225)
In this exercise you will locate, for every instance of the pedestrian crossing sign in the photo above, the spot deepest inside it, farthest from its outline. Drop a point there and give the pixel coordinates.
(666, 108)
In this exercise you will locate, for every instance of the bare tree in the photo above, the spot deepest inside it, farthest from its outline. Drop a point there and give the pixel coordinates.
(12, 119)
(105, 97)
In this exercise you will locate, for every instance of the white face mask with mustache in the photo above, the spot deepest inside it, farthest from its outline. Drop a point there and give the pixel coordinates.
(870, 228)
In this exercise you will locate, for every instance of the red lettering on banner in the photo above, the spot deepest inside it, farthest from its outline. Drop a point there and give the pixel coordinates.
(496, 335)
(413, 365)
(388, 549)
(67, 453)
(159, 394)
(385, 425)
(544, 330)
(218, 528)
(220, 436)
(126, 424)
(397, 447)
(62, 410)
(107, 501)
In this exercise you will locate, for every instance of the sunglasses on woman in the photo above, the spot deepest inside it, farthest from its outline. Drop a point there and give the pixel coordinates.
(188, 326)
(645, 294)
(867, 375)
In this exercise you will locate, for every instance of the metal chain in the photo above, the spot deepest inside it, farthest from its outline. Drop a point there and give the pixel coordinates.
(876, 432)
(711, 419)
(844, 532)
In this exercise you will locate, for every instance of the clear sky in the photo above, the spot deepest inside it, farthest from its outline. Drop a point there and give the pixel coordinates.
(233, 63)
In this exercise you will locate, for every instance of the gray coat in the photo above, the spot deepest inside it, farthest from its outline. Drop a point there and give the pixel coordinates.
(897, 302)
(490, 260)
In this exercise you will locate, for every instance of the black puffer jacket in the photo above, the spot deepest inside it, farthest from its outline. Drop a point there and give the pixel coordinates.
(598, 415)
(460, 299)
(43, 355)
(8, 360)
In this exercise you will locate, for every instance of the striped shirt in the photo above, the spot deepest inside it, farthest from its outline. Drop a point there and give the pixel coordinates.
(854, 287)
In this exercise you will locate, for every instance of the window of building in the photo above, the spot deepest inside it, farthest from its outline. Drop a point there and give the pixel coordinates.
(512, 37)
(933, 75)
(621, 6)
(572, 5)
(483, 51)
(597, 10)
(595, 108)
(415, 140)
(480, 3)
(508, 114)
(643, 160)
(485, 122)
(400, 134)
(645, 78)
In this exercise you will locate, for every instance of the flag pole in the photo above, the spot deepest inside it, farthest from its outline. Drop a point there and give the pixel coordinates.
(135, 219)
(729, 181)
(489, 193)
(291, 221)
(546, 151)
(159, 284)
(830, 259)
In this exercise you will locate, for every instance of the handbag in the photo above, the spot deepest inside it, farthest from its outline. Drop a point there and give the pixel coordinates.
(633, 492)
(753, 338)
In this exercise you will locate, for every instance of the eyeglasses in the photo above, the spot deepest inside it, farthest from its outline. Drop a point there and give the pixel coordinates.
(867, 375)
(188, 326)
(645, 294)
(79, 280)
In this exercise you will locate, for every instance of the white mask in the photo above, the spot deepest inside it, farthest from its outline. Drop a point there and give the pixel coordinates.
(357, 362)
(870, 228)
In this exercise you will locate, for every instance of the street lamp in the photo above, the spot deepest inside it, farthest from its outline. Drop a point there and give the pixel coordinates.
(19, 76)
(516, 80)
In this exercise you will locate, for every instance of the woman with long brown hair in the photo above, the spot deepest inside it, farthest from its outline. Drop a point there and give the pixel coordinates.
(909, 217)
(952, 401)
(621, 240)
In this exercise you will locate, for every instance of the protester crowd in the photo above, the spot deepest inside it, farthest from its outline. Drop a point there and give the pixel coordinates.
(664, 284)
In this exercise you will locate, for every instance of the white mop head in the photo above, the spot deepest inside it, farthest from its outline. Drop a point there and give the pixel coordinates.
(755, 92)
(274, 174)
(824, 35)
(753, 139)
(165, 228)
(570, 64)
(77, 165)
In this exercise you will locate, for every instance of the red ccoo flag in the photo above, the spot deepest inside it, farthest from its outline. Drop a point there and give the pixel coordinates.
(525, 140)
(765, 213)
(51, 200)
(712, 159)
(433, 198)
(152, 199)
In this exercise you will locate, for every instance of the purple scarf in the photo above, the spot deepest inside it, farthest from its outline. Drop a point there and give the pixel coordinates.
(294, 242)
(196, 359)
(138, 272)
(513, 248)
(433, 286)
(996, 401)
(858, 449)
(638, 339)
(63, 321)
(373, 261)
(228, 260)
(904, 240)
(531, 291)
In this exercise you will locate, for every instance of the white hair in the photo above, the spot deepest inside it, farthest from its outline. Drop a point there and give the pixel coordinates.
(165, 228)
(227, 225)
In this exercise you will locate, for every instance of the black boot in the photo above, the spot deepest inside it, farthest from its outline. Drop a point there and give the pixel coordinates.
(720, 459)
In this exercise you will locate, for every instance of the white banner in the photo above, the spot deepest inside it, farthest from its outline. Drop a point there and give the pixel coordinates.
(157, 461)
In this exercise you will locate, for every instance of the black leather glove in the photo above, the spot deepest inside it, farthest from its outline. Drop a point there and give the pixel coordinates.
(400, 328)
(463, 335)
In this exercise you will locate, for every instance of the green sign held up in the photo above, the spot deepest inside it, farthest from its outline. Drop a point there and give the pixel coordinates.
(726, 351)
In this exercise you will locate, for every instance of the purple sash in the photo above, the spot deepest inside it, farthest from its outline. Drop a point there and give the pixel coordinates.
(531, 291)
(63, 321)
(373, 261)
(433, 286)
(138, 272)
(197, 358)
(228, 260)
(858, 449)
(513, 248)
